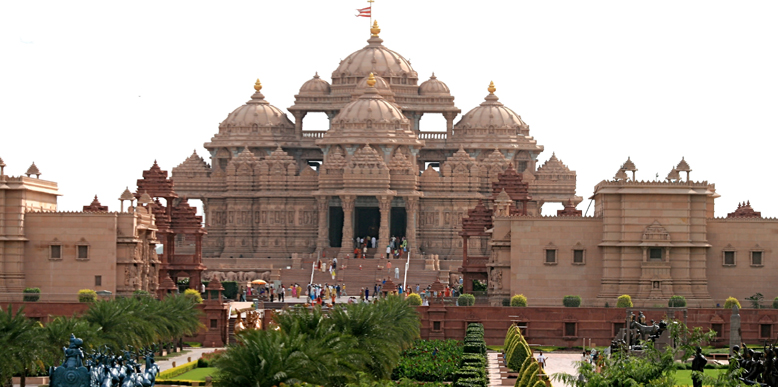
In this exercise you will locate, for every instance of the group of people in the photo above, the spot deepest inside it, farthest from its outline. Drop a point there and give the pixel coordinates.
(266, 292)
(331, 266)
(319, 295)
(397, 247)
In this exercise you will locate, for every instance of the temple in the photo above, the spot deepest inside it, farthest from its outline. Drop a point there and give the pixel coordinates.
(276, 188)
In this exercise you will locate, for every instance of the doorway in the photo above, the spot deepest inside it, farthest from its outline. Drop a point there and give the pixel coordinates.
(336, 226)
(397, 227)
(368, 221)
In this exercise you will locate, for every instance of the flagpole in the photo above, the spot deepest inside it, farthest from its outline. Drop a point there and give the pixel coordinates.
(370, 4)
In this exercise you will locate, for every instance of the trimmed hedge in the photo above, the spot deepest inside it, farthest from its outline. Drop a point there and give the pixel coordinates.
(470, 382)
(472, 360)
(519, 300)
(624, 301)
(87, 295)
(230, 289)
(32, 294)
(677, 302)
(414, 299)
(571, 301)
(466, 300)
(775, 303)
(176, 371)
(731, 301)
(529, 375)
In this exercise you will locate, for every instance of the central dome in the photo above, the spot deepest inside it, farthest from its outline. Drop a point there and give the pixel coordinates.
(377, 59)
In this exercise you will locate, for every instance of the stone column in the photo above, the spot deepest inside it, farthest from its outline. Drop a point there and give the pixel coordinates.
(347, 243)
(411, 206)
(734, 329)
(449, 124)
(323, 207)
(385, 205)
(298, 123)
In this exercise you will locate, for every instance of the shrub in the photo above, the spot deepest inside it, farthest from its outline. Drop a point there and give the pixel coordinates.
(466, 300)
(624, 301)
(677, 302)
(176, 371)
(418, 363)
(414, 299)
(775, 303)
(141, 293)
(194, 295)
(472, 360)
(571, 301)
(519, 300)
(230, 289)
(521, 352)
(470, 382)
(87, 295)
(506, 301)
(730, 302)
(202, 363)
(479, 348)
(32, 294)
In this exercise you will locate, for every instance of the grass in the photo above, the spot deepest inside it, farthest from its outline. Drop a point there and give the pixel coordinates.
(197, 374)
(684, 377)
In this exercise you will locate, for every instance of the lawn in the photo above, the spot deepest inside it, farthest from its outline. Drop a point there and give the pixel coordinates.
(197, 374)
(172, 355)
(684, 377)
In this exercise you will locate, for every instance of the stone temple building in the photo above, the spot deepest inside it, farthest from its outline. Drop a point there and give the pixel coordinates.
(275, 188)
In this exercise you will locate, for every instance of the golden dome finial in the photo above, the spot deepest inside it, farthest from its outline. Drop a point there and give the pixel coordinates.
(491, 88)
(375, 30)
(257, 86)
(371, 80)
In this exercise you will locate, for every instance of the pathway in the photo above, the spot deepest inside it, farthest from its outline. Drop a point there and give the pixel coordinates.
(556, 362)
(194, 353)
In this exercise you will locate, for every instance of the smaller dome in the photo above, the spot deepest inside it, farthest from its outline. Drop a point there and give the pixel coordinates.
(258, 112)
(315, 86)
(381, 85)
(433, 86)
(491, 113)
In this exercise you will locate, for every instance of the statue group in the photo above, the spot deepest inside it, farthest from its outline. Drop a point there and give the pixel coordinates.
(637, 333)
(102, 368)
(758, 367)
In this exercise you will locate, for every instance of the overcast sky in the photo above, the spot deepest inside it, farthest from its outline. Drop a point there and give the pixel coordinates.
(94, 92)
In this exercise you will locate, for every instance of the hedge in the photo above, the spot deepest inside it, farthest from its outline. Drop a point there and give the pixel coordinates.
(32, 294)
(519, 300)
(529, 375)
(466, 300)
(775, 303)
(176, 371)
(472, 360)
(624, 301)
(520, 353)
(470, 382)
(677, 302)
(571, 301)
(87, 295)
(731, 301)
(230, 289)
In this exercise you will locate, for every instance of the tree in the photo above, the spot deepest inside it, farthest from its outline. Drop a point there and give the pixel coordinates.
(519, 300)
(730, 302)
(21, 343)
(624, 301)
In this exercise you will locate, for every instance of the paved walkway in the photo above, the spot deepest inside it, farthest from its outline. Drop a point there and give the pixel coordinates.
(556, 362)
(493, 369)
(194, 353)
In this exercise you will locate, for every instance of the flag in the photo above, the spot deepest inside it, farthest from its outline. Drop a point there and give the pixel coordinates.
(364, 12)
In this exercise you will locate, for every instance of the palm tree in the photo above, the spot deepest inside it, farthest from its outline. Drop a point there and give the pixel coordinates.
(22, 345)
(57, 332)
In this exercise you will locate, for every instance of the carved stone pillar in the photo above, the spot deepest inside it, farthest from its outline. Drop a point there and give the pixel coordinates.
(347, 243)
(385, 205)
(298, 123)
(323, 207)
(449, 123)
(411, 206)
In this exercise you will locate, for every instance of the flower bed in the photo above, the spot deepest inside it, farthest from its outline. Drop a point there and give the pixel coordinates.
(419, 363)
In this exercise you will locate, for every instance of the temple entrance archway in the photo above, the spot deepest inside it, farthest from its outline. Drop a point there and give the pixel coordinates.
(397, 219)
(336, 226)
(367, 221)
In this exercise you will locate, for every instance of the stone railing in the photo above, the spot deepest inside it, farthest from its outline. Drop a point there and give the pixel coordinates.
(433, 135)
(314, 133)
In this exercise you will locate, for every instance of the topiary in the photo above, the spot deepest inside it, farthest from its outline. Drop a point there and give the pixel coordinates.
(520, 353)
(624, 301)
(87, 295)
(571, 301)
(526, 364)
(466, 300)
(193, 295)
(230, 289)
(677, 302)
(519, 300)
(529, 375)
(730, 302)
(414, 299)
(32, 294)
(775, 303)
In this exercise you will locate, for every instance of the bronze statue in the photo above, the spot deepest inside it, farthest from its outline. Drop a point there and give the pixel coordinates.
(698, 364)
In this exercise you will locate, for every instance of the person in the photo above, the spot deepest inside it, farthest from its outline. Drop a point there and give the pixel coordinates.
(373, 241)
(698, 364)
(364, 251)
(357, 253)
(243, 294)
(404, 245)
(281, 293)
(417, 288)
(400, 289)
(335, 263)
(397, 272)
(542, 360)
(367, 293)
(356, 242)
(202, 288)
(343, 290)
(271, 296)
(294, 291)
(388, 252)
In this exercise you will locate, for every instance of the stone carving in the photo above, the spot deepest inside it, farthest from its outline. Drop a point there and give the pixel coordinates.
(496, 279)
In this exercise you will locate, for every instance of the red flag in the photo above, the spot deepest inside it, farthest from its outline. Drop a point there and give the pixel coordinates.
(364, 12)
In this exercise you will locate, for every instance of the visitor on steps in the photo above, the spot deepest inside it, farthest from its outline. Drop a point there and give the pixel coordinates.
(388, 251)
(373, 241)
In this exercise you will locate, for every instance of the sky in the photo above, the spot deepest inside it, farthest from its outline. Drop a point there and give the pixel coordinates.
(94, 92)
